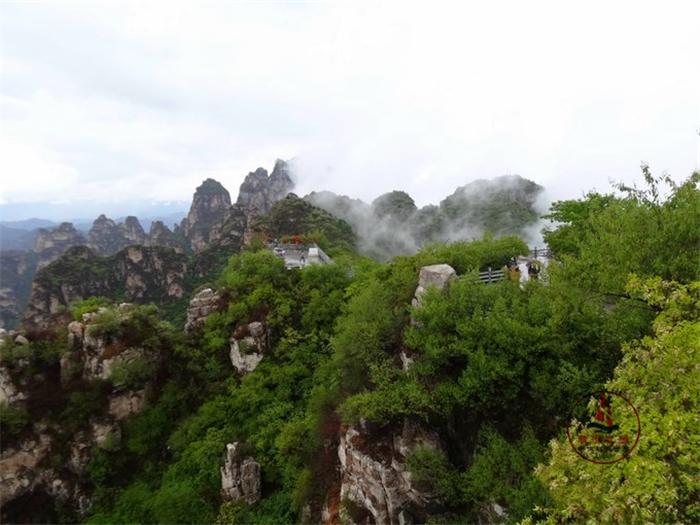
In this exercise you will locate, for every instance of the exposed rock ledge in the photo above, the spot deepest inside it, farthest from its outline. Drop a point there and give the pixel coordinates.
(240, 478)
(248, 346)
(374, 476)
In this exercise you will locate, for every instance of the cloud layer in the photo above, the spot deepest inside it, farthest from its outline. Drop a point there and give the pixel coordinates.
(141, 101)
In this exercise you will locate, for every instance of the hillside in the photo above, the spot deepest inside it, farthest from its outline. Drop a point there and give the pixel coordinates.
(359, 391)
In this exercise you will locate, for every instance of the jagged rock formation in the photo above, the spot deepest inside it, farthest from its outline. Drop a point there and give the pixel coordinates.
(95, 354)
(51, 243)
(240, 478)
(106, 237)
(28, 463)
(207, 212)
(202, 304)
(375, 482)
(248, 346)
(24, 469)
(132, 232)
(161, 235)
(137, 273)
(16, 273)
(260, 191)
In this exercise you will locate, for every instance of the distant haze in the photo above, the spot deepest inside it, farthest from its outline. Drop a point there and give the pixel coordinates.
(106, 107)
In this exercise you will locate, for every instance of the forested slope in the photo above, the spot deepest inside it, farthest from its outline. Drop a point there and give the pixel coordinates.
(453, 406)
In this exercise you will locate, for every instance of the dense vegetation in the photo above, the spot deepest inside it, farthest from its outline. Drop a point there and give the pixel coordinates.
(495, 371)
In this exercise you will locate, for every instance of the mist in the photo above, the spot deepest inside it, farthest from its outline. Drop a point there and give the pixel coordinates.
(392, 224)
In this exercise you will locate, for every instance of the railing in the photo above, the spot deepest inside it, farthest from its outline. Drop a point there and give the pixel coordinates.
(492, 276)
(541, 252)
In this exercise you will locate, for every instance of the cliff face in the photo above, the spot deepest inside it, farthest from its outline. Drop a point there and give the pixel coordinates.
(161, 235)
(136, 273)
(16, 273)
(51, 243)
(260, 191)
(107, 237)
(47, 459)
(132, 232)
(208, 210)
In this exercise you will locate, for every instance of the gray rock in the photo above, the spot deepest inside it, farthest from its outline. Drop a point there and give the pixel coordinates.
(240, 478)
(249, 344)
(21, 340)
(375, 477)
(204, 303)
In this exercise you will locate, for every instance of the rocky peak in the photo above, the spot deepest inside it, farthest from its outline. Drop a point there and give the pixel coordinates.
(132, 232)
(105, 236)
(161, 235)
(51, 243)
(208, 210)
(260, 191)
(138, 273)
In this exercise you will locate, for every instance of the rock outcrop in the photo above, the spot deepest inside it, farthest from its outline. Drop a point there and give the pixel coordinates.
(137, 273)
(132, 231)
(240, 478)
(435, 276)
(202, 304)
(248, 346)
(17, 270)
(24, 469)
(105, 236)
(374, 476)
(95, 353)
(207, 212)
(260, 191)
(50, 243)
(161, 235)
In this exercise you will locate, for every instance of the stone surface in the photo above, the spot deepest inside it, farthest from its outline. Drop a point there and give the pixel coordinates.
(17, 270)
(375, 478)
(436, 276)
(126, 403)
(161, 235)
(23, 470)
(248, 346)
(9, 393)
(51, 243)
(240, 478)
(132, 231)
(140, 273)
(202, 304)
(207, 212)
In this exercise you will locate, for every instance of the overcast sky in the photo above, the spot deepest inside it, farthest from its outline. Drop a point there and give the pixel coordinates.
(110, 102)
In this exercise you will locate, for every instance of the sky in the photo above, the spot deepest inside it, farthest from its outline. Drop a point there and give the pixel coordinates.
(106, 104)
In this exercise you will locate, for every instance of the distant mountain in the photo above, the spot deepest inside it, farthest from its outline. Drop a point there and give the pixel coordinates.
(85, 211)
(16, 238)
(393, 225)
(28, 224)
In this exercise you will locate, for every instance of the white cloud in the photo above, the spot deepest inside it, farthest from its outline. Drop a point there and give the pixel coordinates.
(134, 100)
